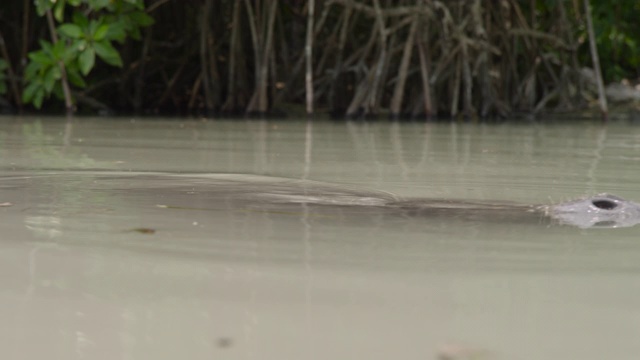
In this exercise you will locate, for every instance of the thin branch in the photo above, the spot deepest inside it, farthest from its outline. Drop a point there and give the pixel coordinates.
(308, 56)
(394, 11)
(68, 100)
(596, 61)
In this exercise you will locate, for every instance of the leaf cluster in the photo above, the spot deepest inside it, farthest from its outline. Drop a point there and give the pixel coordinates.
(90, 31)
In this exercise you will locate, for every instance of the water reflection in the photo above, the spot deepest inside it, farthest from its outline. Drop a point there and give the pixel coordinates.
(247, 217)
(150, 256)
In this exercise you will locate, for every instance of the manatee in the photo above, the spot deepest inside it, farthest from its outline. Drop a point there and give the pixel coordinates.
(601, 210)
(280, 194)
(231, 192)
(598, 211)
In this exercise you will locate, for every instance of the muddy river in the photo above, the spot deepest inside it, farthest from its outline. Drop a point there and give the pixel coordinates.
(129, 238)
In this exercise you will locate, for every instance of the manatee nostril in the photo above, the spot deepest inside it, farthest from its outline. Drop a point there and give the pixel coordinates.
(604, 204)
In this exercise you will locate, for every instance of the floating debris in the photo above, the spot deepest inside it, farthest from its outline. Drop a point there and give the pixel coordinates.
(224, 342)
(6, 204)
(148, 231)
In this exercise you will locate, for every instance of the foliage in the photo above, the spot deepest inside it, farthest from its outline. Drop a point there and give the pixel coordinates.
(617, 36)
(90, 32)
(43, 73)
(466, 57)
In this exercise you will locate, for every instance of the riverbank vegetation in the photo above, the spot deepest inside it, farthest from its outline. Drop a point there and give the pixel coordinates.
(408, 58)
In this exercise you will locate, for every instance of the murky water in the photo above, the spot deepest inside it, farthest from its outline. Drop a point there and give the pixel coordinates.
(125, 240)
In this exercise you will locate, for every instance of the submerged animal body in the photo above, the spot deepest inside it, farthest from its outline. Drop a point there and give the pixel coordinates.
(597, 211)
(231, 192)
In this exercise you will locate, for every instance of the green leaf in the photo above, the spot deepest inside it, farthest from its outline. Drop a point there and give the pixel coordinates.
(81, 45)
(80, 20)
(50, 78)
(71, 51)
(38, 98)
(72, 31)
(141, 18)
(139, 4)
(98, 4)
(42, 6)
(58, 92)
(58, 50)
(116, 31)
(46, 47)
(29, 91)
(135, 33)
(75, 78)
(32, 70)
(86, 60)
(40, 57)
(93, 26)
(108, 53)
(100, 33)
(58, 10)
